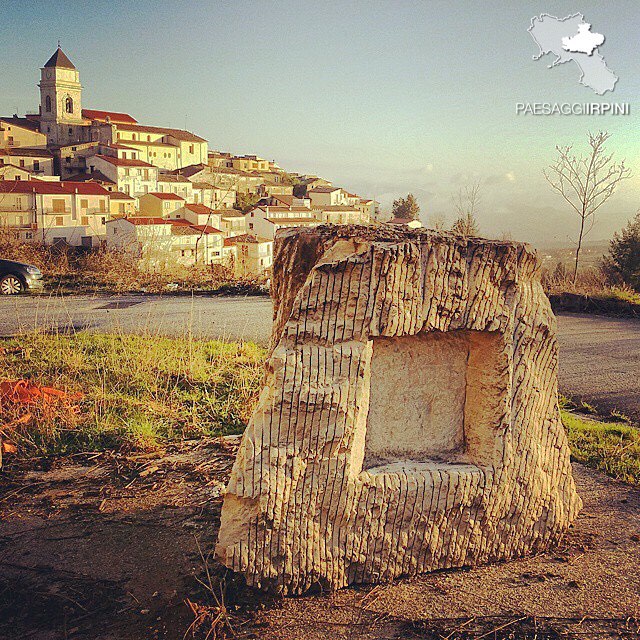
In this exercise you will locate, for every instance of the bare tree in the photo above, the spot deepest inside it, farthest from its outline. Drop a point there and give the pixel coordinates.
(438, 222)
(586, 182)
(466, 203)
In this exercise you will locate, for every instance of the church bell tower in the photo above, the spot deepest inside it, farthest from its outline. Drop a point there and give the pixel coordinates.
(60, 100)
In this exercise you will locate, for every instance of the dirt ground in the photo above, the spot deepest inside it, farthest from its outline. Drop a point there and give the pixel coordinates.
(105, 546)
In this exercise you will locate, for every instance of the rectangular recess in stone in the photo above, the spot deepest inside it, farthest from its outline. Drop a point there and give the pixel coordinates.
(432, 398)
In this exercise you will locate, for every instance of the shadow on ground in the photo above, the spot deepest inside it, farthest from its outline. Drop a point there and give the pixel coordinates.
(106, 546)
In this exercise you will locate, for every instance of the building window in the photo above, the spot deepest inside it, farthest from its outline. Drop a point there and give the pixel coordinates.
(134, 137)
(103, 221)
(148, 138)
(28, 235)
(84, 203)
(84, 221)
(70, 131)
(68, 105)
(190, 148)
(103, 206)
(68, 159)
(59, 221)
(10, 141)
(22, 163)
(47, 104)
(121, 208)
(36, 165)
(58, 205)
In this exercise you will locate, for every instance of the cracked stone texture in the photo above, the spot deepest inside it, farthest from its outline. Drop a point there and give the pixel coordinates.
(408, 420)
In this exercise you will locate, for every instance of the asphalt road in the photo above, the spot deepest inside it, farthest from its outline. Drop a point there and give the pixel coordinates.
(599, 357)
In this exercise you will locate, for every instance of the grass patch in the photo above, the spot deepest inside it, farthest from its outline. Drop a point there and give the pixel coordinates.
(142, 392)
(608, 446)
(139, 391)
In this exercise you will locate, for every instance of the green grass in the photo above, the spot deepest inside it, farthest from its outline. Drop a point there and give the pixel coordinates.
(143, 392)
(625, 294)
(608, 446)
(140, 391)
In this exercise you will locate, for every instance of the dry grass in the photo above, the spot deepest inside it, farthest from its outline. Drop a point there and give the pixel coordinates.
(71, 269)
(593, 292)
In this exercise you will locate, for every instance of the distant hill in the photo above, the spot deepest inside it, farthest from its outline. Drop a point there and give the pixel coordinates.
(590, 255)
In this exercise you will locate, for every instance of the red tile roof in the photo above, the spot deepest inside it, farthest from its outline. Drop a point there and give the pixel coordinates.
(27, 152)
(245, 237)
(336, 207)
(292, 221)
(324, 189)
(187, 136)
(124, 162)
(179, 226)
(114, 116)
(283, 209)
(165, 196)
(205, 228)
(118, 195)
(95, 176)
(139, 221)
(165, 177)
(199, 208)
(52, 188)
(24, 123)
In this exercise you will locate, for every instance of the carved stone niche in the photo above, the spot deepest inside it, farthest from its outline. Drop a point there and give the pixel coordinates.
(408, 420)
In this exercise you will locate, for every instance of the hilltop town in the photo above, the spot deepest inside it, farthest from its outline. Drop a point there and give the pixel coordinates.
(92, 178)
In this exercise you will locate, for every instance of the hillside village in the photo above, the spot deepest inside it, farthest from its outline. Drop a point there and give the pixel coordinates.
(91, 178)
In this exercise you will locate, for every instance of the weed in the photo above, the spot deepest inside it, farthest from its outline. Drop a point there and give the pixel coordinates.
(610, 447)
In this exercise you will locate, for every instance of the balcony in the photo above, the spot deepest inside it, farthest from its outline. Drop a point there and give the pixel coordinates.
(56, 212)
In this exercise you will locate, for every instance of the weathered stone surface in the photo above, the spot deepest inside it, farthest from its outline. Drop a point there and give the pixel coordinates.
(408, 420)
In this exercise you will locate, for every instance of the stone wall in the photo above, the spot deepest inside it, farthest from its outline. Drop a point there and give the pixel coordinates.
(408, 420)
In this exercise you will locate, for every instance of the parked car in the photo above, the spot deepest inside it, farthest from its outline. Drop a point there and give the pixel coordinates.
(16, 277)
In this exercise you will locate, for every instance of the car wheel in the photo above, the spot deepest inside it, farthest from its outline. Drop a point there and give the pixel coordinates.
(11, 285)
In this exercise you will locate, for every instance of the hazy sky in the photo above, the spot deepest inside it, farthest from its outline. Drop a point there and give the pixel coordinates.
(379, 97)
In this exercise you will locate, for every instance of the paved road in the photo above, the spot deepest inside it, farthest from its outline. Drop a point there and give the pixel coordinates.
(600, 361)
(599, 357)
(231, 318)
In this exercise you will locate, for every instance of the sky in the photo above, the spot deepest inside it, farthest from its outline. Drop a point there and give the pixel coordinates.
(383, 98)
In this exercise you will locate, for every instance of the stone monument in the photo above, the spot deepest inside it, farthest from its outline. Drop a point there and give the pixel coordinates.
(408, 420)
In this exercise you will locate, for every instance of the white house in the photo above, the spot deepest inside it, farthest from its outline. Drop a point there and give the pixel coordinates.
(38, 161)
(73, 213)
(265, 221)
(341, 214)
(159, 242)
(327, 196)
(198, 214)
(131, 176)
(251, 254)
(181, 186)
(408, 223)
(233, 222)
(159, 205)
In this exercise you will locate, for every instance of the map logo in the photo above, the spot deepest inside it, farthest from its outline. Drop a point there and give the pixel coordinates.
(571, 39)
